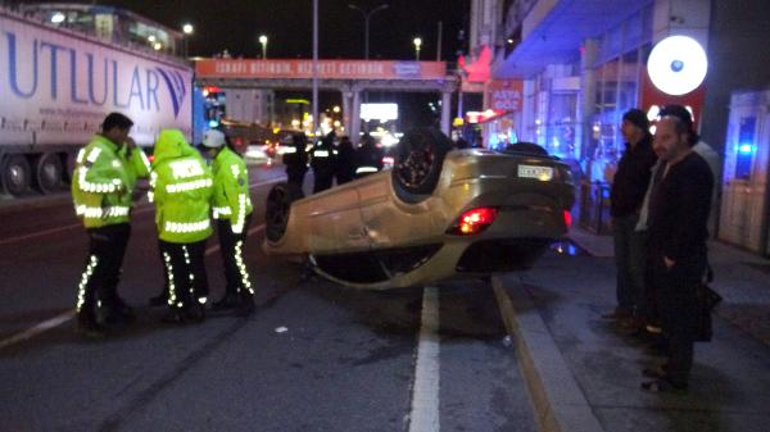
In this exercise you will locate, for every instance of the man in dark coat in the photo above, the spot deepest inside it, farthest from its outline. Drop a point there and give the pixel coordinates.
(323, 161)
(626, 196)
(345, 167)
(678, 215)
(368, 157)
(295, 159)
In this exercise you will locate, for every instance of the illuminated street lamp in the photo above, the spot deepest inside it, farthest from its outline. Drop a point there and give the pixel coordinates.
(187, 30)
(417, 44)
(263, 41)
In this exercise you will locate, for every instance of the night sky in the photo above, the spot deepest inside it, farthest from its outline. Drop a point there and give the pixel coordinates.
(236, 25)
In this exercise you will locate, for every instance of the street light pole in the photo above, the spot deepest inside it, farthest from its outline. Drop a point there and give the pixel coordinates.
(187, 31)
(263, 41)
(367, 17)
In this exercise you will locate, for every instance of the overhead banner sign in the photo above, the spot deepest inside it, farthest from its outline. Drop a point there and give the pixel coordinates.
(503, 95)
(327, 69)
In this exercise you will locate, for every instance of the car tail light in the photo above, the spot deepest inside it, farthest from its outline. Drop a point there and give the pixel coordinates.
(387, 160)
(567, 218)
(474, 221)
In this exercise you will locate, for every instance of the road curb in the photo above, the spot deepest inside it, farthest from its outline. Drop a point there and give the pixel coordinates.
(559, 403)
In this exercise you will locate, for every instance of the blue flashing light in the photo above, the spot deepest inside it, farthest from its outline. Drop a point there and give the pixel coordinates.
(213, 124)
(745, 149)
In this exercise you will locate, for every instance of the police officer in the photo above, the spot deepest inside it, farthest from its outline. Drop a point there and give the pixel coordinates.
(295, 159)
(183, 186)
(368, 157)
(102, 187)
(345, 168)
(232, 210)
(323, 162)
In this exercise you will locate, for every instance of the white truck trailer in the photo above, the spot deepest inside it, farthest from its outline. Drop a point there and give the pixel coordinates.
(56, 86)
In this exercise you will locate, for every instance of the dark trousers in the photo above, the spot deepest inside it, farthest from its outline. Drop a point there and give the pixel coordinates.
(630, 261)
(322, 182)
(677, 310)
(186, 273)
(295, 176)
(106, 249)
(231, 246)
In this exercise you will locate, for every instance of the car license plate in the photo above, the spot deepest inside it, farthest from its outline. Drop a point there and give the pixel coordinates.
(541, 173)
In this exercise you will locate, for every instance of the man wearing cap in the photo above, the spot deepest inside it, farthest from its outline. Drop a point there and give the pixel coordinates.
(295, 159)
(678, 214)
(626, 197)
(232, 209)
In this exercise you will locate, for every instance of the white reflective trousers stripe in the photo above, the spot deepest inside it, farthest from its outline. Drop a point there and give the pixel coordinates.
(93, 262)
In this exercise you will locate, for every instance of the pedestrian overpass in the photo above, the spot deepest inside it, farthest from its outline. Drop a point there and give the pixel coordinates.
(349, 77)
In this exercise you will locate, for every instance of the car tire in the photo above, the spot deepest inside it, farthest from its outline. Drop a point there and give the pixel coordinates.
(418, 161)
(278, 208)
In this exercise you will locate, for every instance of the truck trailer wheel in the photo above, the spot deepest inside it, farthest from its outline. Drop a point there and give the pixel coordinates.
(48, 173)
(15, 174)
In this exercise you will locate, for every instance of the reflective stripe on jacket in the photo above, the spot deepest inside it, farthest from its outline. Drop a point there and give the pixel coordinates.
(231, 200)
(103, 181)
(182, 185)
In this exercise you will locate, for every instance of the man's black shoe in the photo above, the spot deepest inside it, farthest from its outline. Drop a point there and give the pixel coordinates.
(195, 314)
(173, 316)
(246, 305)
(229, 301)
(89, 328)
(159, 300)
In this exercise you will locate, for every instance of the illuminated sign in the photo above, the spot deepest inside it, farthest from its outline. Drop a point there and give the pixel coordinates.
(677, 65)
(327, 69)
(503, 95)
(379, 111)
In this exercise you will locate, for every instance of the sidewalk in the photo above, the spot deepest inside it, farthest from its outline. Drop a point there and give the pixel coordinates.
(584, 374)
(742, 278)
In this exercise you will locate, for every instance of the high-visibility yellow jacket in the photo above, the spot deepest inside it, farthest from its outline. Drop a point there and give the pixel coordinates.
(182, 186)
(231, 200)
(103, 181)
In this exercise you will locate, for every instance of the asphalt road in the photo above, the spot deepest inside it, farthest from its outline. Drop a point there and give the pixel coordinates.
(314, 357)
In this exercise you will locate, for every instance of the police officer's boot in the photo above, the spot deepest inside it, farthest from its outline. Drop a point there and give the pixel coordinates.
(246, 305)
(229, 301)
(88, 326)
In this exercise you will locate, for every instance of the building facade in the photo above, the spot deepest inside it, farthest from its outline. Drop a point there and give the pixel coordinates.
(583, 63)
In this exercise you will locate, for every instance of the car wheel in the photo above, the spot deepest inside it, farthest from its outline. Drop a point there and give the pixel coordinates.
(278, 208)
(418, 161)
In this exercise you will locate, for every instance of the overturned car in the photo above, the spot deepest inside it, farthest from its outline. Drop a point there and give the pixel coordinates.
(438, 214)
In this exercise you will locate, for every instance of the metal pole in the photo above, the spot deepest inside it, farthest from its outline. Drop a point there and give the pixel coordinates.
(315, 66)
(366, 36)
(438, 48)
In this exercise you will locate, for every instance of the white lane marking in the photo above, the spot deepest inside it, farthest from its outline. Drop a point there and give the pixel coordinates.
(68, 315)
(40, 328)
(424, 416)
(139, 210)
